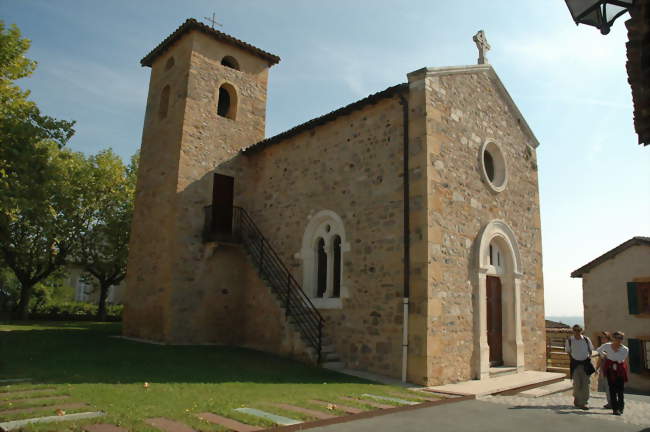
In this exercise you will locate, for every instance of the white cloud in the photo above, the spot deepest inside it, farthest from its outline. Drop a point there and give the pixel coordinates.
(97, 83)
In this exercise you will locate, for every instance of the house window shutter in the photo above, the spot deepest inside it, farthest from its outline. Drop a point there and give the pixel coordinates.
(636, 355)
(632, 299)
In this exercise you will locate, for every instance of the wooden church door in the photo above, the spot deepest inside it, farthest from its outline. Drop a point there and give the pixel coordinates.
(222, 199)
(494, 320)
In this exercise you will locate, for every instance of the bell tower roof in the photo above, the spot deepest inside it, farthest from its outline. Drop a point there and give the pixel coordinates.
(192, 24)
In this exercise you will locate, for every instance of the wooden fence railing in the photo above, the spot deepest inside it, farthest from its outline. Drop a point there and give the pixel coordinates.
(556, 359)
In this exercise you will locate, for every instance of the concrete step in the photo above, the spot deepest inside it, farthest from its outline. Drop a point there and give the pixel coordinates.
(549, 389)
(330, 357)
(334, 365)
(504, 384)
(502, 370)
(564, 370)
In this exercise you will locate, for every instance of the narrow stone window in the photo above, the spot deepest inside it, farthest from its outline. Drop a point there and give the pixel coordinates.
(229, 61)
(321, 257)
(164, 103)
(495, 258)
(170, 63)
(227, 104)
(336, 246)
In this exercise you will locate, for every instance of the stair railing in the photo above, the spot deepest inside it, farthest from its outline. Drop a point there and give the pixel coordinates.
(298, 307)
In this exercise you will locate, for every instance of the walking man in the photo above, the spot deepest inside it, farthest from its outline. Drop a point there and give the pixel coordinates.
(580, 348)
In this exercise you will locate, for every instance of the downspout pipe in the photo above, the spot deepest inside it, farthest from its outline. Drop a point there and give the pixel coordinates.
(407, 244)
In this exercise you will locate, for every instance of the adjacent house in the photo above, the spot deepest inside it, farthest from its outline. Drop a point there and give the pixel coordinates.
(616, 296)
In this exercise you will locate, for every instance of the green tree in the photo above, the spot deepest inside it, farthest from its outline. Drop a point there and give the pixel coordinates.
(104, 247)
(41, 223)
(41, 186)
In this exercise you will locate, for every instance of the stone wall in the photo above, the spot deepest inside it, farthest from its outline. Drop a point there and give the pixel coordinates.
(604, 294)
(149, 270)
(352, 166)
(464, 110)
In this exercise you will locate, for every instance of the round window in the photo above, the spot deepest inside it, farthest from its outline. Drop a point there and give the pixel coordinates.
(493, 166)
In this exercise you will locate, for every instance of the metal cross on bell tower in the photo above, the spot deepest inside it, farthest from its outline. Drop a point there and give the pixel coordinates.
(483, 46)
(213, 20)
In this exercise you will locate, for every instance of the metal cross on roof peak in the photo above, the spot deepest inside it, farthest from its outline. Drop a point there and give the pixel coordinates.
(483, 46)
(213, 20)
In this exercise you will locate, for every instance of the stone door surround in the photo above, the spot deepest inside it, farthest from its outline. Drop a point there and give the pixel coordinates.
(510, 273)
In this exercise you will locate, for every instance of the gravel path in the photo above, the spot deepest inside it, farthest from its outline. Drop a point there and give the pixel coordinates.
(637, 408)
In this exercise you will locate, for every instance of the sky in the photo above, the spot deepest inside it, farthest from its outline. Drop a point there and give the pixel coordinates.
(569, 82)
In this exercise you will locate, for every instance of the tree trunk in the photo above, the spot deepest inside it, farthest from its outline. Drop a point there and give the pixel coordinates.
(103, 293)
(25, 296)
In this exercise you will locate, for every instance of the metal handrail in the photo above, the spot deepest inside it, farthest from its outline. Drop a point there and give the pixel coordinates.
(296, 303)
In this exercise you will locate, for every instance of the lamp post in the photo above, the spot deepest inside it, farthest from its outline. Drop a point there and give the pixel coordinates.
(598, 13)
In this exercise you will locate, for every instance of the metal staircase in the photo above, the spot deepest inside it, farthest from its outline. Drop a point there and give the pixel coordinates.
(299, 310)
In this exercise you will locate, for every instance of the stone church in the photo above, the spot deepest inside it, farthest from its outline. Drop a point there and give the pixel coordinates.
(398, 235)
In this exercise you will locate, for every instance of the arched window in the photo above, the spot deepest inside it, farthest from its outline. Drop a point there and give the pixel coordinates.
(321, 265)
(323, 250)
(229, 61)
(164, 102)
(227, 104)
(336, 246)
(170, 63)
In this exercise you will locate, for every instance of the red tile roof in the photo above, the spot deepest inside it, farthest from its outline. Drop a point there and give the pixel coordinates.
(638, 66)
(369, 100)
(192, 24)
(611, 254)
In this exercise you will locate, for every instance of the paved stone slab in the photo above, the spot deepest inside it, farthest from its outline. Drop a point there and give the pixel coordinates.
(14, 380)
(37, 399)
(44, 408)
(168, 425)
(104, 427)
(420, 396)
(306, 411)
(10, 425)
(228, 423)
(550, 389)
(391, 399)
(278, 419)
(344, 408)
(25, 392)
(368, 402)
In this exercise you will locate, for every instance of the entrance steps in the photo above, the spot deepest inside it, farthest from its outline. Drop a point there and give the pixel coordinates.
(504, 384)
(502, 370)
(549, 389)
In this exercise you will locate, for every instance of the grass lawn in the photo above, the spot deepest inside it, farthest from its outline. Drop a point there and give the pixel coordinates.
(84, 361)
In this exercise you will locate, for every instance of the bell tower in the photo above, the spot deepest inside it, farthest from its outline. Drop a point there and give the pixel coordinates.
(206, 102)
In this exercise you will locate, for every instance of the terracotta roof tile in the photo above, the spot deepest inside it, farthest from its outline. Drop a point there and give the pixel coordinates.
(611, 254)
(192, 24)
(372, 99)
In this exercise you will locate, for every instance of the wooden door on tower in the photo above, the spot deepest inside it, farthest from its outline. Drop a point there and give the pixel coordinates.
(494, 320)
(222, 199)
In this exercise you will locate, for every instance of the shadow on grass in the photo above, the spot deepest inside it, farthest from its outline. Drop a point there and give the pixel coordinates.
(89, 353)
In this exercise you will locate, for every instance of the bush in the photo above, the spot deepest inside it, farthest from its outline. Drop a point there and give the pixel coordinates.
(73, 311)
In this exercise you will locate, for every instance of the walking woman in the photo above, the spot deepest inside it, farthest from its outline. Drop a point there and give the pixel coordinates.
(605, 337)
(615, 354)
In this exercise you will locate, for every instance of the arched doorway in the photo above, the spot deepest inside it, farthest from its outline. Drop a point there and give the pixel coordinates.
(497, 334)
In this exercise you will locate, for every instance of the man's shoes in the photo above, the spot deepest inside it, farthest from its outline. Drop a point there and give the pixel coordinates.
(607, 406)
(617, 412)
(584, 408)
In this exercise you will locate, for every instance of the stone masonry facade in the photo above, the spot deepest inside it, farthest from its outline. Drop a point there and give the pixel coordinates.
(183, 290)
